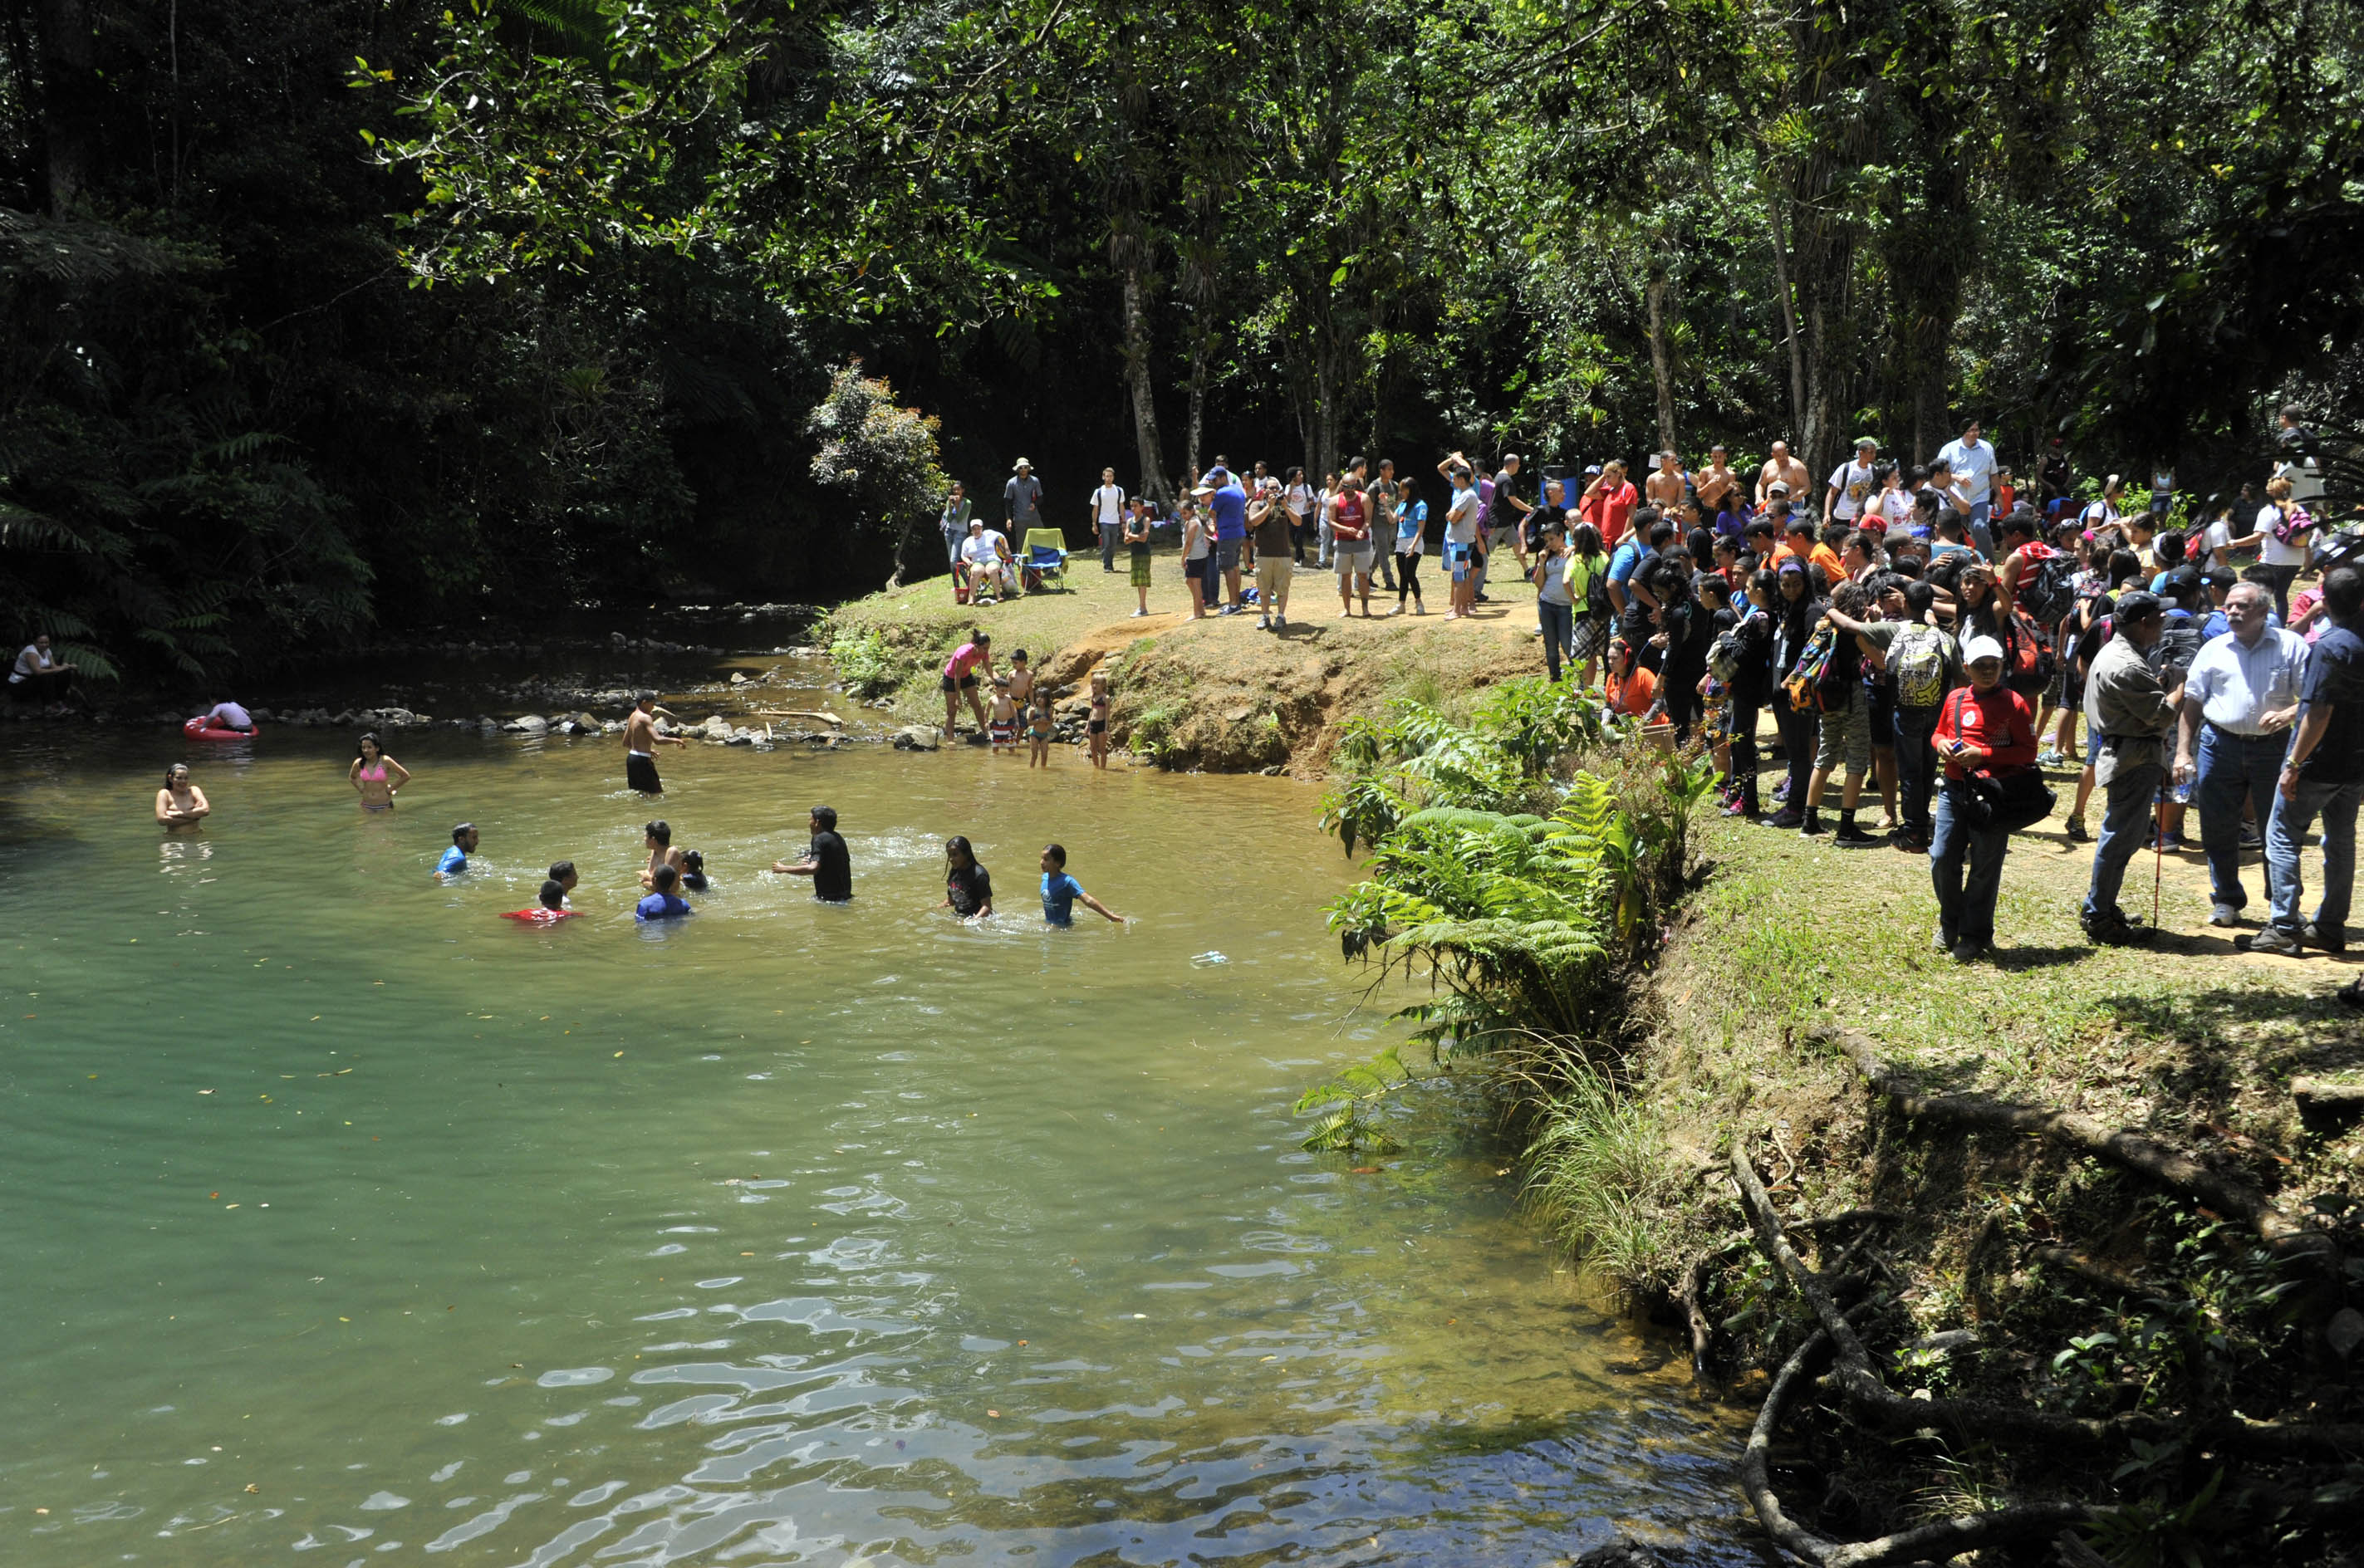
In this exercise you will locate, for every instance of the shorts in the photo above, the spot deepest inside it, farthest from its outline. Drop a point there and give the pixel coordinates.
(1095, 726)
(1274, 571)
(1227, 554)
(1002, 734)
(1883, 717)
(1140, 566)
(1353, 558)
(640, 773)
(1845, 739)
(1456, 556)
(965, 683)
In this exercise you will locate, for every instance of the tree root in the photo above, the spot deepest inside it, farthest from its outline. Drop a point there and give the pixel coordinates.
(1927, 1543)
(1871, 1400)
(2169, 1167)
(2071, 1262)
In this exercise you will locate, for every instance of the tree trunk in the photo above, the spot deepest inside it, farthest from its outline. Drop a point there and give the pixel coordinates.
(69, 98)
(1789, 311)
(1154, 484)
(1658, 287)
(1197, 400)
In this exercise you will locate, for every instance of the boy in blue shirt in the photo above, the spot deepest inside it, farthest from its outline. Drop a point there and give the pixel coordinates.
(1062, 893)
(663, 904)
(455, 859)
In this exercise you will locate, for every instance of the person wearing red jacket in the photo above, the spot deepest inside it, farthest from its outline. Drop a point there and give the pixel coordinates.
(1982, 725)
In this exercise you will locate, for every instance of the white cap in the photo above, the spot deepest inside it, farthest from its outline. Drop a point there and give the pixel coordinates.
(1980, 648)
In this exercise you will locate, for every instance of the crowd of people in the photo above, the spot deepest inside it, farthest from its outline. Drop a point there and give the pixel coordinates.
(1926, 637)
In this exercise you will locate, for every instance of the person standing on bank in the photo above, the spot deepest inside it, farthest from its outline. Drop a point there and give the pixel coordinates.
(2239, 700)
(952, 522)
(1350, 537)
(1021, 498)
(1272, 534)
(1108, 517)
(641, 744)
(2130, 711)
(826, 860)
(2324, 775)
(1984, 725)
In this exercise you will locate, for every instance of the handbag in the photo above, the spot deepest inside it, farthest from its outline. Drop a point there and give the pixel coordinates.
(2008, 799)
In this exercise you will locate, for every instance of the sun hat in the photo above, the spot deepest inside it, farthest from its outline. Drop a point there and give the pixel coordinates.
(1021, 462)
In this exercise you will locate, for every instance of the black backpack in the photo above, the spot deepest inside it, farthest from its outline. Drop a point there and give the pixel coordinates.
(2051, 593)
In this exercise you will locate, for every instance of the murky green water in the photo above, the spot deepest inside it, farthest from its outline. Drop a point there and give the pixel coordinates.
(347, 1223)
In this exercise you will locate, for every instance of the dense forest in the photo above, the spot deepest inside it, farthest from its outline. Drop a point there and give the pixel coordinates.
(324, 315)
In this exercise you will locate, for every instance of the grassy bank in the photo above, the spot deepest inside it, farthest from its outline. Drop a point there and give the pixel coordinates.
(2078, 1311)
(1215, 693)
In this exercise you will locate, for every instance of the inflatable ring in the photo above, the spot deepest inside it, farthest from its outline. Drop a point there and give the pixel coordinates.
(200, 729)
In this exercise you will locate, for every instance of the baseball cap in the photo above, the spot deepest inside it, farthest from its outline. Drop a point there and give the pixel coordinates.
(1981, 648)
(2137, 605)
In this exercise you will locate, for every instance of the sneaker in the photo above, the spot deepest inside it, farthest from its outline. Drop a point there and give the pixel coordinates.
(1138, 613)
(1264, 623)
(1850, 836)
(1229, 610)
(2352, 994)
(1278, 622)
(2251, 839)
(1785, 821)
(2224, 914)
(2169, 844)
(1737, 808)
(1940, 941)
(2050, 757)
(2334, 939)
(1812, 826)
(2117, 933)
(2272, 938)
(2077, 834)
(1911, 843)
(1965, 952)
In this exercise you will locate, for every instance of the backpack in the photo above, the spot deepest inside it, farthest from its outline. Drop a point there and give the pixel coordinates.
(2051, 593)
(2178, 645)
(1596, 585)
(2294, 522)
(1809, 685)
(1730, 651)
(2029, 664)
(1917, 658)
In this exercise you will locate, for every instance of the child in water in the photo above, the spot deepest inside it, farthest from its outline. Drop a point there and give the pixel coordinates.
(1038, 747)
(1097, 725)
(693, 870)
(1021, 680)
(1062, 893)
(551, 909)
(1002, 728)
(663, 903)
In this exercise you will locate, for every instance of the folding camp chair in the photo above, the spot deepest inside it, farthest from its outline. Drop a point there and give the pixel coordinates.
(1046, 560)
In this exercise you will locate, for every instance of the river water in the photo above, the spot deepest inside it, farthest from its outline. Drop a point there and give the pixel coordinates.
(347, 1223)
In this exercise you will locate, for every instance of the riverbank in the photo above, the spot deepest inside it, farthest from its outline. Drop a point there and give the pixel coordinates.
(1215, 693)
(2083, 1224)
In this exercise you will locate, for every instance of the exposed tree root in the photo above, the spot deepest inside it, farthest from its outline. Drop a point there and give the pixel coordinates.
(2071, 1262)
(2169, 1167)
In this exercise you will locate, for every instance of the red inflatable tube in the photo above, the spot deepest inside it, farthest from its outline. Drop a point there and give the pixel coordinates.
(199, 729)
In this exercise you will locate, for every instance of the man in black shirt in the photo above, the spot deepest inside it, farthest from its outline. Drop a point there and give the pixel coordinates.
(826, 862)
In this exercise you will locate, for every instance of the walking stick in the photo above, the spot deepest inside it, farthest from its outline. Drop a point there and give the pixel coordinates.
(2157, 856)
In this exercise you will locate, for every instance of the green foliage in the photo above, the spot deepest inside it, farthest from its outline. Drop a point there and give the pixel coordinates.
(878, 461)
(1601, 1174)
(868, 665)
(1349, 1100)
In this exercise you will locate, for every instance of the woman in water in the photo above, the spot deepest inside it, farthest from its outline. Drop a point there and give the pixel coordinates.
(375, 774)
(181, 804)
(968, 891)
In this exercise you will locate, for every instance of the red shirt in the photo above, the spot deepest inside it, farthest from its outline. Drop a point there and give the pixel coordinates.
(1997, 719)
(1346, 523)
(1608, 510)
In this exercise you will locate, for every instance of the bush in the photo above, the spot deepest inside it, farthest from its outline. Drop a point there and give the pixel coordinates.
(868, 665)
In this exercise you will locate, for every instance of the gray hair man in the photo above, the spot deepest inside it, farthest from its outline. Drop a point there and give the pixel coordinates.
(2130, 711)
(2239, 698)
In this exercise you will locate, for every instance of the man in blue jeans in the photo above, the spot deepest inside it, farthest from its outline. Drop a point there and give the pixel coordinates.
(2324, 775)
(2129, 711)
(2239, 700)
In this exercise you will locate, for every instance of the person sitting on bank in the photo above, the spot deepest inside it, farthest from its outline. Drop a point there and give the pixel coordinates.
(40, 675)
(826, 860)
(662, 903)
(455, 859)
(181, 804)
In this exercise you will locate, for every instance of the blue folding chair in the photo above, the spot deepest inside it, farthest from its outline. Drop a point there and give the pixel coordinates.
(1045, 562)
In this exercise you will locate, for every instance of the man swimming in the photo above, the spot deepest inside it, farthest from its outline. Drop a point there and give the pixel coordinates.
(641, 744)
(455, 859)
(826, 860)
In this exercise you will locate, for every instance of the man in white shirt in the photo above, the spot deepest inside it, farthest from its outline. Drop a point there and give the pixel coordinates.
(1108, 517)
(1852, 483)
(985, 557)
(2239, 697)
(1973, 462)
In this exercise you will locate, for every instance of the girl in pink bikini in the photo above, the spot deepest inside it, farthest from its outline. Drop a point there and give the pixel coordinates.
(375, 774)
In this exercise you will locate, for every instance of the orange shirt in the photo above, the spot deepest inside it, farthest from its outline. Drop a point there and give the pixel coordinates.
(1828, 560)
(1632, 696)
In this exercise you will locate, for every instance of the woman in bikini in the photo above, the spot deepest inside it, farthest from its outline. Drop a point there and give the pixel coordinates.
(375, 774)
(181, 804)
(1095, 725)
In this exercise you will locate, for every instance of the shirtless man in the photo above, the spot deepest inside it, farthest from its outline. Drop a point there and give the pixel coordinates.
(1665, 487)
(641, 744)
(1781, 469)
(1714, 482)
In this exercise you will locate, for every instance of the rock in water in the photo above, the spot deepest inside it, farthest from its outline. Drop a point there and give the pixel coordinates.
(531, 724)
(917, 738)
(1622, 1553)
